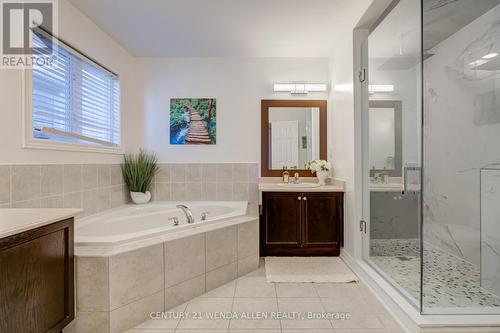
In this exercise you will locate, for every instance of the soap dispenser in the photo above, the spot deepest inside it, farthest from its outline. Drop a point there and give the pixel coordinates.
(285, 175)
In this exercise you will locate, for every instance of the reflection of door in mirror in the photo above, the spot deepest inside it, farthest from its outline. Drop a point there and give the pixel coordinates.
(293, 136)
(284, 143)
(385, 133)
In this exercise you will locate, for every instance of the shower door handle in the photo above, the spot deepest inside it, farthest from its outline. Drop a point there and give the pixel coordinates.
(362, 75)
(362, 226)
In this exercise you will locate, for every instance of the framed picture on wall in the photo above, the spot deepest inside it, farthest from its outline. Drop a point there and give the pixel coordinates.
(193, 121)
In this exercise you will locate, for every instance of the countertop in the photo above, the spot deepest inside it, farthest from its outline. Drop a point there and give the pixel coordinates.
(17, 220)
(393, 187)
(271, 185)
(386, 187)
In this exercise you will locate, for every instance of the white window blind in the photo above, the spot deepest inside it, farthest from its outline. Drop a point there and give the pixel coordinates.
(74, 100)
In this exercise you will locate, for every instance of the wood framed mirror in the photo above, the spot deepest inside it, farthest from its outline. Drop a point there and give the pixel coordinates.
(386, 137)
(293, 132)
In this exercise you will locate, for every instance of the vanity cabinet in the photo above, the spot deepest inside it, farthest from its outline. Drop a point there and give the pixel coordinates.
(281, 212)
(36, 279)
(301, 223)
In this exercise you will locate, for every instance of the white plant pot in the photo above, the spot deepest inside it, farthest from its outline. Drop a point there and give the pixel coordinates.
(140, 198)
(321, 175)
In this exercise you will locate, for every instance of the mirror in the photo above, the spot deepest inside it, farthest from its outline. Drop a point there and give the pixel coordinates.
(292, 135)
(385, 121)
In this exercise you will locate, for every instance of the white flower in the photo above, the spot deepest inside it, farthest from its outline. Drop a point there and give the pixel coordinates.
(319, 165)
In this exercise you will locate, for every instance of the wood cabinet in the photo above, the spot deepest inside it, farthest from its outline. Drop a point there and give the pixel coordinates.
(36, 279)
(307, 223)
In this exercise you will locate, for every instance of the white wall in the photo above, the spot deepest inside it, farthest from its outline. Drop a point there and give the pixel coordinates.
(238, 84)
(341, 107)
(79, 31)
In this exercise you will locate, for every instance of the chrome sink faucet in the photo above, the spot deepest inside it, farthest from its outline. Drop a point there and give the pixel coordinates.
(296, 179)
(187, 212)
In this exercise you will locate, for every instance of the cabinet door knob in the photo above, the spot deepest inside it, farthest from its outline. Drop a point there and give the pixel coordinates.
(305, 198)
(299, 198)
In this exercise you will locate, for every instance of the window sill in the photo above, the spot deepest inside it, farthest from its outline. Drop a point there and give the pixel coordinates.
(74, 147)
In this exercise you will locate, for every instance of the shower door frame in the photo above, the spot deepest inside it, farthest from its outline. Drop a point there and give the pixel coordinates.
(363, 77)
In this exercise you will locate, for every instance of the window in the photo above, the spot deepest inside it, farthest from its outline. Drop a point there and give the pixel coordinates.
(74, 101)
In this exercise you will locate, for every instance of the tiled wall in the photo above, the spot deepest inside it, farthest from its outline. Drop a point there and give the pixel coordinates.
(490, 229)
(100, 187)
(93, 187)
(226, 181)
(398, 222)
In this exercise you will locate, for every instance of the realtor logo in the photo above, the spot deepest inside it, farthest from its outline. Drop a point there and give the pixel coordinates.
(19, 19)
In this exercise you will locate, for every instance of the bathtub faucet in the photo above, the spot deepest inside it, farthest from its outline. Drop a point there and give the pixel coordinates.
(187, 212)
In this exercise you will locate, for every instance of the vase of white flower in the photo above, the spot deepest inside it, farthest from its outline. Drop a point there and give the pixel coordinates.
(321, 168)
(322, 175)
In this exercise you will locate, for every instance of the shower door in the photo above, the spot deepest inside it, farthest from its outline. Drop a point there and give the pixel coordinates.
(391, 130)
(461, 222)
(431, 157)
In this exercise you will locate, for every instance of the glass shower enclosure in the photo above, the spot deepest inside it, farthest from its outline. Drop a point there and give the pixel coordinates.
(431, 153)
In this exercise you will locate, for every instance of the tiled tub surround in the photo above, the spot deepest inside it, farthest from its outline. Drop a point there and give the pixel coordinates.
(117, 292)
(91, 187)
(193, 182)
(96, 188)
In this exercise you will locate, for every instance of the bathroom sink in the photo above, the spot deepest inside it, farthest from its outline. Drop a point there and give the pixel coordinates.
(299, 185)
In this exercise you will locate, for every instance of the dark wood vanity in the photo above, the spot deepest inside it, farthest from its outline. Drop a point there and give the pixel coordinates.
(37, 279)
(301, 223)
(305, 221)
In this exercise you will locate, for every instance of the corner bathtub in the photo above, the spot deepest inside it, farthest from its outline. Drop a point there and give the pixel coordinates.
(132, 261)
(131, 223)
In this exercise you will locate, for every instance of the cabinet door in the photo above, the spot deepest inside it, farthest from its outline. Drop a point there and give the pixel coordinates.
(281, 217)
(36, 279)
(322, 218)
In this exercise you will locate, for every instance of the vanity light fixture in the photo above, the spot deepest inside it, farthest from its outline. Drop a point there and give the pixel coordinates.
(477, 63)
(490, 56)
(376, 88)
(484, 59)
(299, 88)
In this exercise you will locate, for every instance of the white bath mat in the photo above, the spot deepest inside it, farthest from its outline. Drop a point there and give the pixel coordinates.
(308, 269)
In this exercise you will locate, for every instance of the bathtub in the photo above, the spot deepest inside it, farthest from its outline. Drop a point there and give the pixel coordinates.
(132, 261)
(131, 223)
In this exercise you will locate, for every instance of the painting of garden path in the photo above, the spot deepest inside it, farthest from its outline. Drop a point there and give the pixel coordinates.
(193, 121)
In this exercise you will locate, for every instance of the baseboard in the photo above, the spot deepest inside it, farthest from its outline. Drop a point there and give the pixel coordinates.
(408, 316)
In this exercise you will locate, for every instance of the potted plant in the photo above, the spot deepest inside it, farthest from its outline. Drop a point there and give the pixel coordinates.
(138, 171)
(321, 168)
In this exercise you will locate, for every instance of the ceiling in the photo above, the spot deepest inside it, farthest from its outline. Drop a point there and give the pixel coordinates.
(224, 28)
(397, 40)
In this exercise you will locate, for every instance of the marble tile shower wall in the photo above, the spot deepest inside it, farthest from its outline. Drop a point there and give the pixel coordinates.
(100, 187)
(461, 134)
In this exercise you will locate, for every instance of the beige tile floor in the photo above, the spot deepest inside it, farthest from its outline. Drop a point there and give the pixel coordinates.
(252, 295)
